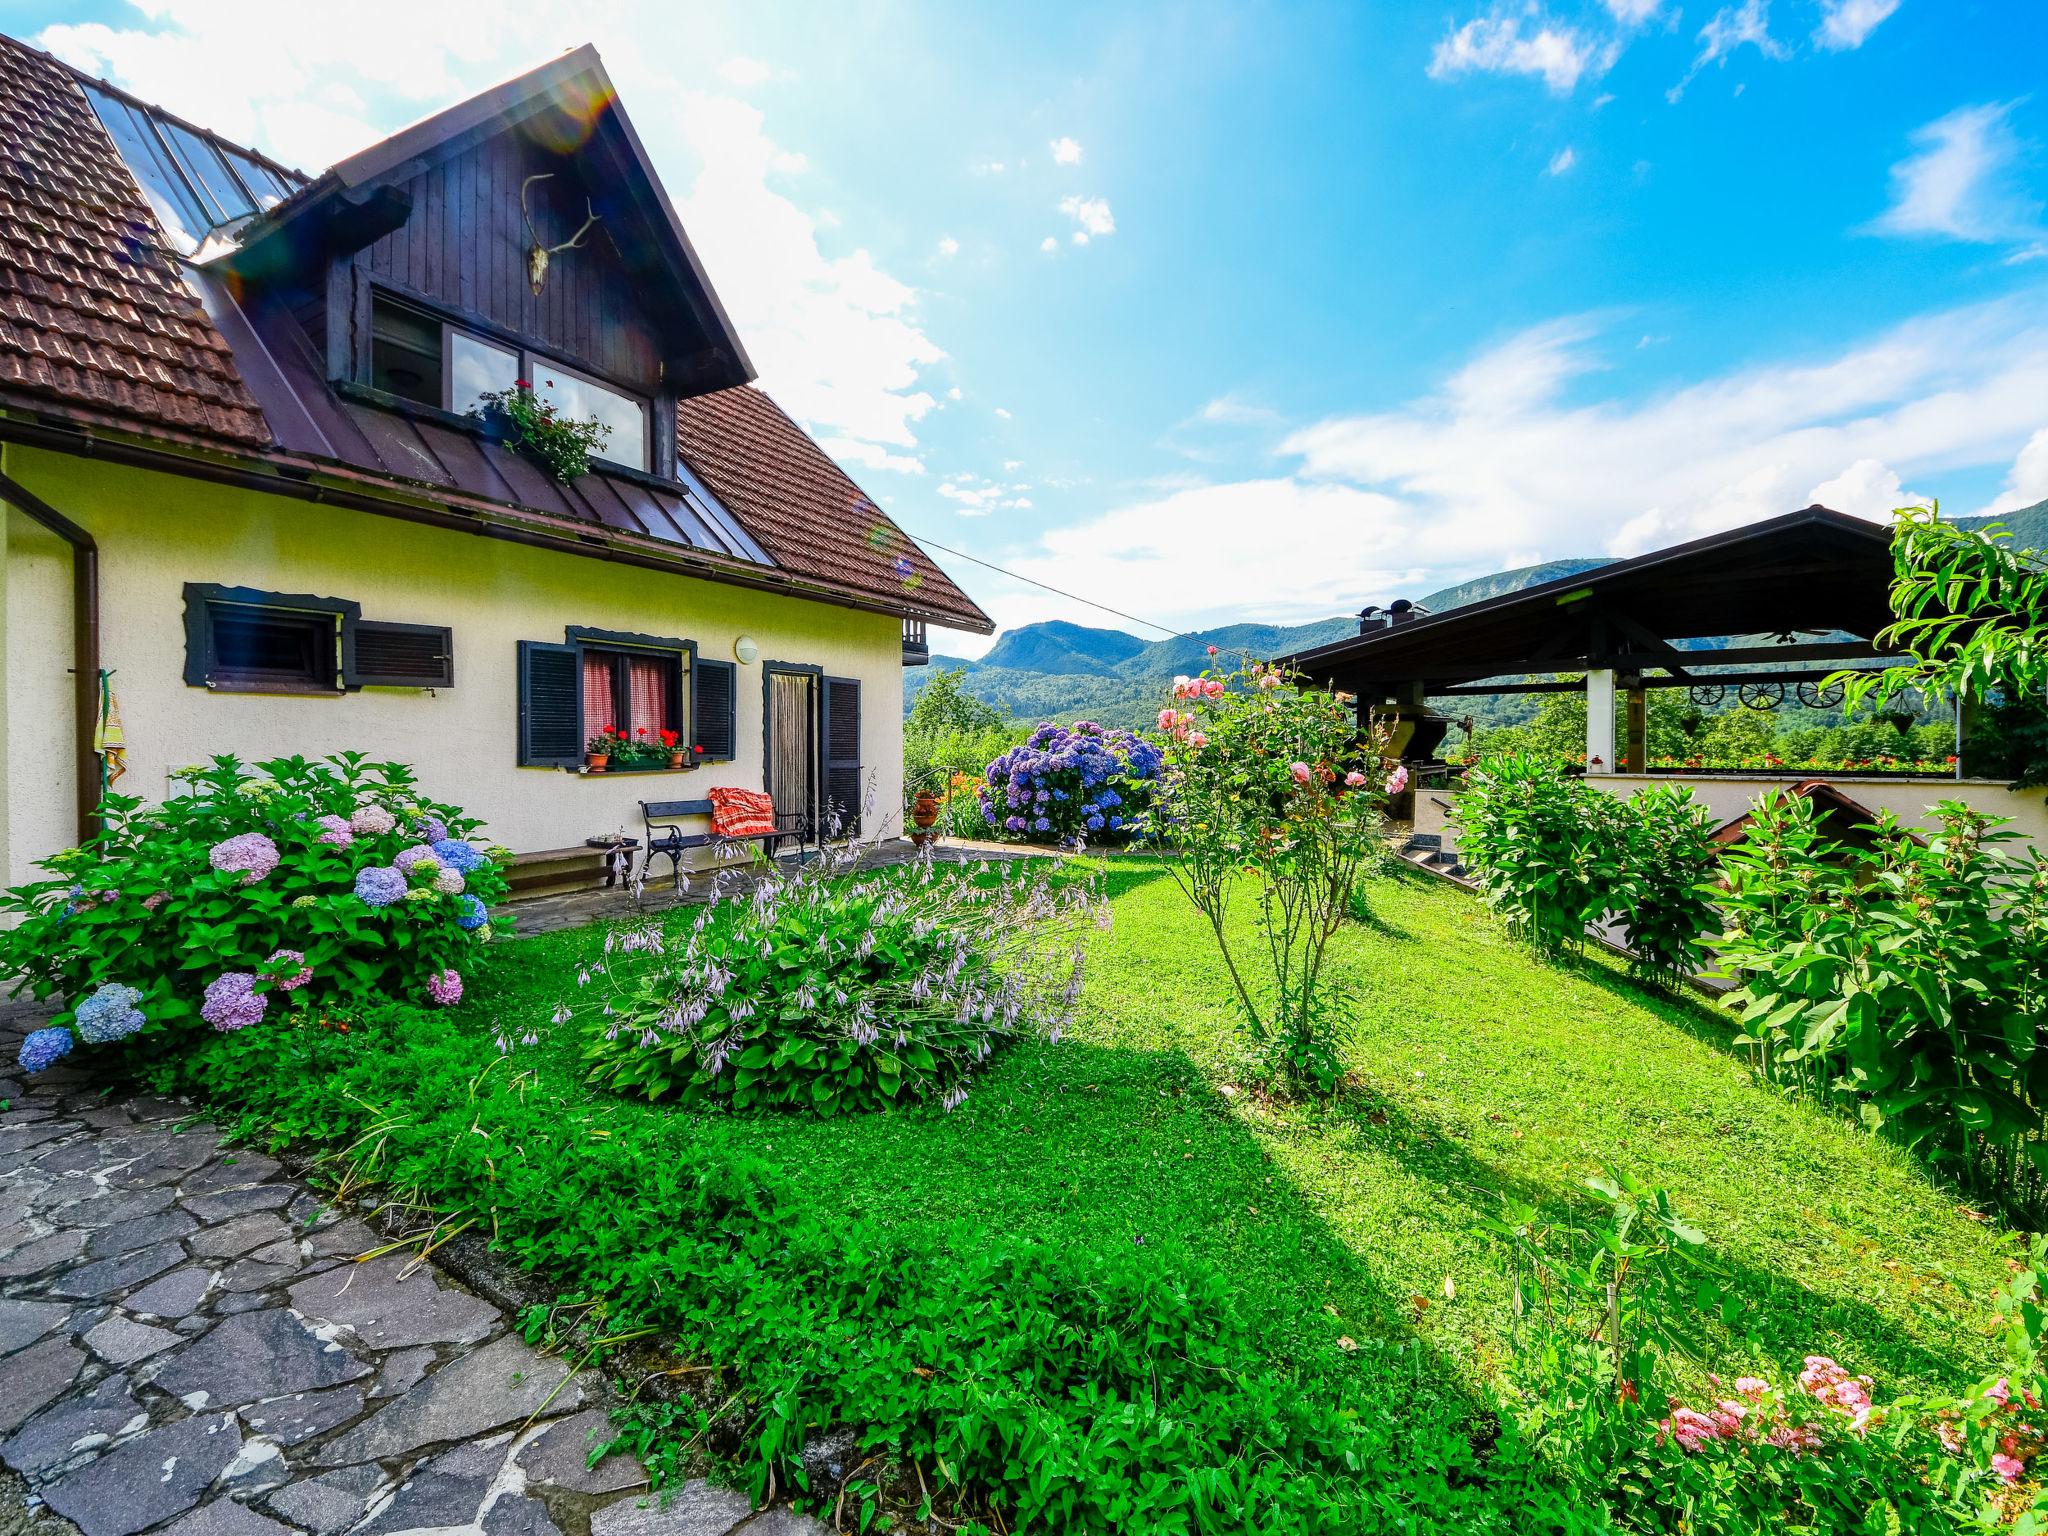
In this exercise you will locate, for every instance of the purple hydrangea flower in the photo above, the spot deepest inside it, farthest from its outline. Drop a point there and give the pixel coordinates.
(404, 860)
(457, 854)
(292, 980)
(44, 1048)
(336, 832)
(109, 1014)
(379, 886)
(251, 854)
(445, 987)
(232, 1002)
(473, 913)
(449, 882)
(430, 829)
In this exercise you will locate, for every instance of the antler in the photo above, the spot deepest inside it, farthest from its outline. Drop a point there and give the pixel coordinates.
(576, 239)
(537, 254)
(541, 176)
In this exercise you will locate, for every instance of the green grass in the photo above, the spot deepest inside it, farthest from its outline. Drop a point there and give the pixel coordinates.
(1482, 1072)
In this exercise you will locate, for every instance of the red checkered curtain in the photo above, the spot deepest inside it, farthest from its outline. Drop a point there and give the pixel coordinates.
(647, 695)
(597, 695)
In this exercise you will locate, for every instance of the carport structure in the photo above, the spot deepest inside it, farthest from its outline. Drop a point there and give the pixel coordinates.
(1804, 593)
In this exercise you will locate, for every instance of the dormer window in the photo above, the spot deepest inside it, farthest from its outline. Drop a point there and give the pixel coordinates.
(416, 355)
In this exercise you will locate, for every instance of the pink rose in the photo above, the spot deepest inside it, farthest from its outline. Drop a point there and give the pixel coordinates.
(1398, 779)
(1212, 650)
(1183, 685)
(1752, 1387)
(1300, 772)
(2001, 1392)
(2010, 1468)
(1197, 740)
(1166, 718)
(1213, 687)
(1353, 779)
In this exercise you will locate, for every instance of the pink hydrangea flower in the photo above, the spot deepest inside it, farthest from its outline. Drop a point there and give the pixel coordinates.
(449, 882)
(371, 821)
(1690, 1428)
(2010, 1468)
(445, 987)
(291, 981)
(1398, 779)
(335, 832)
(2000, 1392)
(250, 853)
(1796, 1438)
(1300, 771)
(1752, 1387)
(154, 900)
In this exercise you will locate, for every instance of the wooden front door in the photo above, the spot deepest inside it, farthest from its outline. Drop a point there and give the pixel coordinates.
(792, 764)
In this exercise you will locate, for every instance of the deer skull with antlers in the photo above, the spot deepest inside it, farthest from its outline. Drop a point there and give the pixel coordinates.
(537, 254)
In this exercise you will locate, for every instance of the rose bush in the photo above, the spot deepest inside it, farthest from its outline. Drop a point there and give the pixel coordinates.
(325, 885)
(1084, 783)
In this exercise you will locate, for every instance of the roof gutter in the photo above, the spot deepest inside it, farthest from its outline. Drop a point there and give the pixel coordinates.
(85, 643)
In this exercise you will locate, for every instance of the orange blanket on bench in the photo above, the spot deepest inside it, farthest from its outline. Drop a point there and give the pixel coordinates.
(742, 813)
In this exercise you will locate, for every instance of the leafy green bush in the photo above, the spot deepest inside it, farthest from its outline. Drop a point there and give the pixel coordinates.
(1903, 978)
(330, 883)
(1545, 847)
(828, 991)
(1092, 1392)
(1553, 853)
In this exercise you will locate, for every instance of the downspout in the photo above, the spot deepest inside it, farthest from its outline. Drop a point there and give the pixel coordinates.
(85, 643)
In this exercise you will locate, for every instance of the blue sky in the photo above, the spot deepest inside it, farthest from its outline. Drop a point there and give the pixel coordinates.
(1370, 298)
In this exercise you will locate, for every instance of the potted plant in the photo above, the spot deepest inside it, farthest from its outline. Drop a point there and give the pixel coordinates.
(561, 445)
(602, 748)
(674, 744)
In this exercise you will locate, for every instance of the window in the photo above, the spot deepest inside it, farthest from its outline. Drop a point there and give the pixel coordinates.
(245, 641)
(417, 356)
(574, 395)
(603, 678)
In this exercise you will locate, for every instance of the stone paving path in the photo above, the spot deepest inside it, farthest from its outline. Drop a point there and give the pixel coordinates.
(188, 1346)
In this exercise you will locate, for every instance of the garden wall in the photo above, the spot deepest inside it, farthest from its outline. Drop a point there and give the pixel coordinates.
(156, 532)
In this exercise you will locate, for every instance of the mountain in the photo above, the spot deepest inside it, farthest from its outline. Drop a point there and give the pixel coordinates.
(1501, 583)
(1057, 646)
(2027, 525)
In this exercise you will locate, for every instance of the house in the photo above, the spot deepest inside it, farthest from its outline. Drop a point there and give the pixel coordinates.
(249, 507)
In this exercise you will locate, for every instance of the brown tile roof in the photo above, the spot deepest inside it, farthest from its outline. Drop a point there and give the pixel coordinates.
(801, 505)
(92, 313)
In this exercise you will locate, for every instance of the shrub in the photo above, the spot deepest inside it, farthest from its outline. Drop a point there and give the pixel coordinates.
(328, 884)
(830, 992)
(1080, 784)
(1901, 978)
(1267, 780)
(1664, 897)
(1545, 847)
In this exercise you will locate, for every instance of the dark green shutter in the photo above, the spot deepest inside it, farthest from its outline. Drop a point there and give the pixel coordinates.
(550, 705)
(844, 789)
(714, 690)
(386, 655)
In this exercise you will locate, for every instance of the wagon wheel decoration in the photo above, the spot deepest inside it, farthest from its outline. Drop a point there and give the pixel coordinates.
(1706, 695)
(1763, 697)
(1818, 693)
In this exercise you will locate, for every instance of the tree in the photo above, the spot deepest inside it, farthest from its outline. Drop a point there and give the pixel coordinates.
(944, 707)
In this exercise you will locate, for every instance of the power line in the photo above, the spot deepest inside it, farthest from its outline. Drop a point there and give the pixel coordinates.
(1169, 632)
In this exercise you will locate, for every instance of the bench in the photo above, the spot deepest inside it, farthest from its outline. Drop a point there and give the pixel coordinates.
(592, 865)
(664, 835)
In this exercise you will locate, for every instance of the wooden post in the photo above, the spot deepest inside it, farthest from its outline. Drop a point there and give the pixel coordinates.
(1600, 720)
(1636, 705)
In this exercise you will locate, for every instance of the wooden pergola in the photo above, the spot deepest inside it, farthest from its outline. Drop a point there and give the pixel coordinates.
(1806, 592)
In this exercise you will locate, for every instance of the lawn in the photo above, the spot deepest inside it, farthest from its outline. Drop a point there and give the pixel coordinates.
(1481, 1072)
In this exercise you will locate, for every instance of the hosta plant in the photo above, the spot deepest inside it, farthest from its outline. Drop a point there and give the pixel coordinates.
(297, 884)
(828, 990)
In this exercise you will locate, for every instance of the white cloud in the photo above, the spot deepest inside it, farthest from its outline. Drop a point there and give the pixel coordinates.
(1091, 214)
(953, 393)
(1002, 414)
(1632, 13)
(1959, 181)
(870, 455)
(1049, 243)
(742, 71)
(1011, 466)
(1844, 24)
(1066, 151)
(987, 168)
(1727, 30)
(974, 496)
(1868, 488)
(1562, 161)
(1497, 44)
(948, 246)
(1499, 455)
(2028, 482)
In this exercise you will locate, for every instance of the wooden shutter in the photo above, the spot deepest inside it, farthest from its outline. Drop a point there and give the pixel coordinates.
(844, 789)
(400, 656)
(714, 695)
(550, 705)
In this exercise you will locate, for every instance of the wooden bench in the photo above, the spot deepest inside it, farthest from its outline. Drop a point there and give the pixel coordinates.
(661, 820)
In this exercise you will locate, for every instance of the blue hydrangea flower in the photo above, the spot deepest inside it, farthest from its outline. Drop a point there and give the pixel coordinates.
(1094, 823)
(379, 886)
(454, 853)
(109, 1014)
(44, 1048)
(472, 913)
(1040, 824)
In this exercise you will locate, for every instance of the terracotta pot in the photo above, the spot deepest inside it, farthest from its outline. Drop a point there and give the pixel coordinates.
(924, 810)
(596, 761)
(675, 759)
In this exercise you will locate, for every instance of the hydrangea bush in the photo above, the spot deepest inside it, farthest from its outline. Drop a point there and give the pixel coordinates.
(827, 990)
(323, 885)
(1083, 783)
